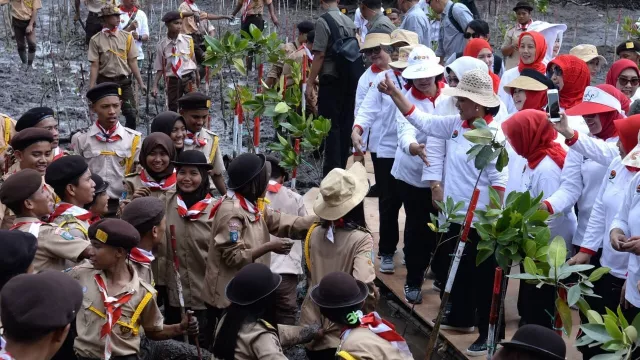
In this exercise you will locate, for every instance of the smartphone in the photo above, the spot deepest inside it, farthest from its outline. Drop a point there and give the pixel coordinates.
(553, 105)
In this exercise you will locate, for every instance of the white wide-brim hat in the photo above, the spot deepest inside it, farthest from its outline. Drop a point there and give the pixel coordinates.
(340, 191)
(477, 86)
(422, 63)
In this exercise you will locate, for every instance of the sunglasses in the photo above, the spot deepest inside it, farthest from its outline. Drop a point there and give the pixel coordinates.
(376, 50)
(470, 35)
(625, 81)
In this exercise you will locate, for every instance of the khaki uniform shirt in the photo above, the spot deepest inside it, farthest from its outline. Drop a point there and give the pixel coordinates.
(96, 5)
(323, 42)
(257, 341)
(76, 227)
(125, 337)
(189, 25)
(144, 272)
(7, 131)
(55, 245)
(287, 202)
(256, 7)
(6, 215)
(112, 51)
(183, 48)
(511, 38)
(364, 344)
(210, 150)
(23, 9)
(109, 160)
(192, 248)
(227, 255)
(350, 252)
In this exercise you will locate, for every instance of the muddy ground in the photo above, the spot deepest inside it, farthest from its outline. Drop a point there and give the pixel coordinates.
(60, 77)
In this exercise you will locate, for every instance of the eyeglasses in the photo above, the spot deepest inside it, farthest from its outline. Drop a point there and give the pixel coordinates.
(471, 35)
(625, 81)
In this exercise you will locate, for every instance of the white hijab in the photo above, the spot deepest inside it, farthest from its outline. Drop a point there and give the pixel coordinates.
(466, 63)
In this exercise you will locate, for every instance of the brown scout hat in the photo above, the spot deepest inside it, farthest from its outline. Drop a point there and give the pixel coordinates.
(115, 232)
(24, 138)
(144, 213)
(20, 186)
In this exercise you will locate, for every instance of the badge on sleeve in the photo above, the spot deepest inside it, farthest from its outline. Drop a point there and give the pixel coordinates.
(234, 230)
(65, 235)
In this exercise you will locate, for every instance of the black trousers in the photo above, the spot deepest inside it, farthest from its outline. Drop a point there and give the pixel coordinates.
(536, 306)
(389, 204)
(93, 26)
(325, 354)
(419, 241)
(335, 104)
(258, 21)
(471, 294)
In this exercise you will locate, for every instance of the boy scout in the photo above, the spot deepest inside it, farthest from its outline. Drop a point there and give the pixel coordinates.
(44, 118)
(71, 180)
(112, 289)
(198, 26)
(175, 61)
(110, 149)
(147, 215)
(341, 298)
(23, 20)
(114, 58)
(36, 311)
(25, 195)
(194, 108)
(99, 206)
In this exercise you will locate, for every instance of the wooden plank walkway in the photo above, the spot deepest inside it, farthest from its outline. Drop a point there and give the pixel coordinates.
(428, 310)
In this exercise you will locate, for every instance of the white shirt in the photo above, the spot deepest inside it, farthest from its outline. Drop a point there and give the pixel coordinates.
(406, 167)
(361, 24)
(379, 108)
(605, 208)
(585, 166)
(506, 98)
(627, 221)
(636, 96)
(370, 137)
(142, 29)
(460, 174)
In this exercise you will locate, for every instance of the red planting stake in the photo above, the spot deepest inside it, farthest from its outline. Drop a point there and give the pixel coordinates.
(493, 315)
(256, 120)
(294, 173)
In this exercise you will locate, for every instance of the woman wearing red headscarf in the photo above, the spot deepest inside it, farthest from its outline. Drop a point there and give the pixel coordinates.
(588, 157)
(571, 76)
(532, 137)
(481, 50)
(625, 76)
(532, 48)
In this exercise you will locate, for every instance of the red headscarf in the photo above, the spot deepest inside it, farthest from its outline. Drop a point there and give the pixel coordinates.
(533, 137)
(617, 68)
(473, 48)
(576, 76)
(541, 50)
(628, 129)
(607, 119)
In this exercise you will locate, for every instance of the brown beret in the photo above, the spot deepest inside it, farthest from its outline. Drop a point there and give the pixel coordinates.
(171, 16)
(32, 305)
(28, 136)
(144, 213)
(20, 186)
(115, 232)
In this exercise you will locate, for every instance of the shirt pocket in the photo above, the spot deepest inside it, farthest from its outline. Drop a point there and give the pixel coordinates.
(88, 316)
(124, 332)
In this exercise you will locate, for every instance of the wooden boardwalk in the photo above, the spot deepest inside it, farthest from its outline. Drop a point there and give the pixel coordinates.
(428, 310)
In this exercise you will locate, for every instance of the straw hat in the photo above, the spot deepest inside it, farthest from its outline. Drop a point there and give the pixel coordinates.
(340, 191)
(403, 57)
(422, 63)
(374, 40)
(586, 53)
(595, 101)
(109, 10)
(477, 86)
(530, 79)
(400, 36)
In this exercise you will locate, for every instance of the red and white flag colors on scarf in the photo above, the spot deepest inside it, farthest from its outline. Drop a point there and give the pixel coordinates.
(273, 186)
(70, 209)
(112, 310)
(108, 135)
(166, 184)
(194, 212)
(386, 330)
(141, 256)
(244, 203)
(194, 139)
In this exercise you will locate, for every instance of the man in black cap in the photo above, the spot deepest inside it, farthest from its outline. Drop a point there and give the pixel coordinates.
(194, 108)
(110, 149)
(36, 311)
(44, 118)
(71, 180)
(133, 298)
(510, 52)
(629, 49)
(24, 194)
(175, 61)
(147, 215)
(533, 342)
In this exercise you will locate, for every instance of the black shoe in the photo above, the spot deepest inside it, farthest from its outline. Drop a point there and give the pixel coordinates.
(478, 348)
(373, 191)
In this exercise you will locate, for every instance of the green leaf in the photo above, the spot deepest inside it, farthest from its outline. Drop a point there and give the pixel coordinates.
(594, 317)
(573, 295)
(483, 158)
(598, 273)
(238, 63)
(623, 320)
(636, 322)
(523, 276)
(282, 108)
(479, 136)
(612, 329)
(584, 340)
(503, 160)
(483, 254)
(495, 198)
(474, 151)
(542, 253)
(615, 356)
(570, 269)
(255, 32)
(480, 123)
(565, 315)
(282, 140)
(530, 266)
(583, 306)
(530, 248)
(613, 345)
(557, 253)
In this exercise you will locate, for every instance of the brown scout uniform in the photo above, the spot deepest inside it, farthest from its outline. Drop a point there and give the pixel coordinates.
(192, 248)
(351, 252)
(139, 312)
(258, 340)
(144, 272)
(7, 216)
(363, 344)
(512, 37)
(76, 227)
(7, 130)
(226, 256)
(23, 9)
(210, 150)
(111, 51)
(55, 245)
(112, 161)
(176, 59)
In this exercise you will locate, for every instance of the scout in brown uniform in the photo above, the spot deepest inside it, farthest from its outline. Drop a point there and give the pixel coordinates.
(25, 195)
(289, 266)
(341, 242)
(32, 150)
(240, 229)
(114, 58)
(175, 61)
(172, 124)
(99, 206)
(44, 118)
(37, 310)
(23, 19)
(147, 215)
(112, 283)
(157, 175)
(71, 180)
(194, 108)
(252, 14)
(198, 25)
(110, 149)
(93, 25)
(340, 298)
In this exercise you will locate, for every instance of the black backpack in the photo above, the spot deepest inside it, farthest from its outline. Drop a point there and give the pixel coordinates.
(471, 5)
(345, 51)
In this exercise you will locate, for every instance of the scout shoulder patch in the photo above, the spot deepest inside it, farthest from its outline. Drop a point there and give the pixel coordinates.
(65, 235)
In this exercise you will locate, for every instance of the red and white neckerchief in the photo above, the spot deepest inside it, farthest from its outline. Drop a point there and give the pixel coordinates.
(307, 51)
(130, 13)
(176, 62)
(245, 9)
(4, 355)
(194, 212)
(70, 209)
(110, 31)
(245, 204)
(57, 154)
(384, 330)
(525, 26)
(141, 256)
(108, 135)
(193, 138)
(274, 186)
(167, 183)
(94, 217)
(113, 311)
